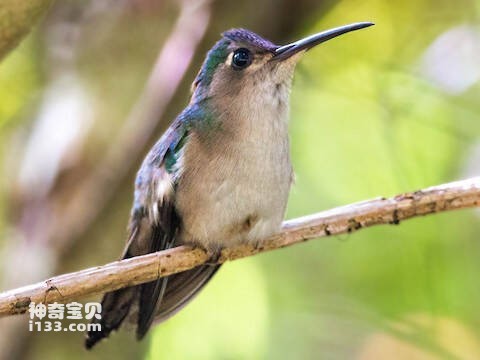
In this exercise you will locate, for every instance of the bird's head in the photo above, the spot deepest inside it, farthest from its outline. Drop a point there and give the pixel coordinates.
(242, 61)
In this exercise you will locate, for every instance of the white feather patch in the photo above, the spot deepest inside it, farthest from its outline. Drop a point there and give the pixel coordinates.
(162, 189)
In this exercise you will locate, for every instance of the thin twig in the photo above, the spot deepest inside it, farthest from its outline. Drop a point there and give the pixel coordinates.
(346, 219)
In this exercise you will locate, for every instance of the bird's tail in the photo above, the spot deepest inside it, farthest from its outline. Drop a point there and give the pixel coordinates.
(180, 289)
(115, 307)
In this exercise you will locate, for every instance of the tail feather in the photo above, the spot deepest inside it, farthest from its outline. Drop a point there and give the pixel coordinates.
(175, 293)
(182, 288)
(151, 295)
(115, 307)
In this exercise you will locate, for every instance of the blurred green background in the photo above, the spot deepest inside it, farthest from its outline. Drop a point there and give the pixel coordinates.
(386, 110)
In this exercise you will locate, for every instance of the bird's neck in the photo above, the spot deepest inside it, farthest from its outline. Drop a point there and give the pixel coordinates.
(261, 114)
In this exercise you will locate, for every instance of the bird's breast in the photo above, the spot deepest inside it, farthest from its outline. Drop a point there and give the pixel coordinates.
(234, 183)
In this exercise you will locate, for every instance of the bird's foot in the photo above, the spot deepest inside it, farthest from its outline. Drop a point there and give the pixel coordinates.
(214, 255)
(258, 245)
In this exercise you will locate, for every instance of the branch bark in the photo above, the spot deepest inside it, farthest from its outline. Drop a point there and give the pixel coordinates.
(346, 219)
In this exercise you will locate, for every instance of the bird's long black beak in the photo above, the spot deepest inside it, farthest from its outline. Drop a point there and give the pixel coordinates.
(286, 51)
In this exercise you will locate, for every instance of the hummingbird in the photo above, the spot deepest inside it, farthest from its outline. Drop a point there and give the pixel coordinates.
(219, 176)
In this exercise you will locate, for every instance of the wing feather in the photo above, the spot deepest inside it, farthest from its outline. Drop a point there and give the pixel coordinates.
(154, 226)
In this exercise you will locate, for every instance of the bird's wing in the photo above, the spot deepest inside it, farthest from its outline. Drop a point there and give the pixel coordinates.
(153, 226)
(155, 222)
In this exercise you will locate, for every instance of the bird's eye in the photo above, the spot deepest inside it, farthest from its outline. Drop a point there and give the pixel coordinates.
(241, 58)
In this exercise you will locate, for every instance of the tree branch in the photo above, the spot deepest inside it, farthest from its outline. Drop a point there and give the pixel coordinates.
(346, 219)
(16, 20)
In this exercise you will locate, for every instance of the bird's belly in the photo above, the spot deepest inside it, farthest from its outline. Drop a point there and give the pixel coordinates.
(233, 199)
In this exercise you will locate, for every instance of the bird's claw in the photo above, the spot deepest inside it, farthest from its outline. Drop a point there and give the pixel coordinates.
(214, 256)
(258, 245)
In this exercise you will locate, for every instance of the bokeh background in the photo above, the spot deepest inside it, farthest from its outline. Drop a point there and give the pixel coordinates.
(385, 110)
